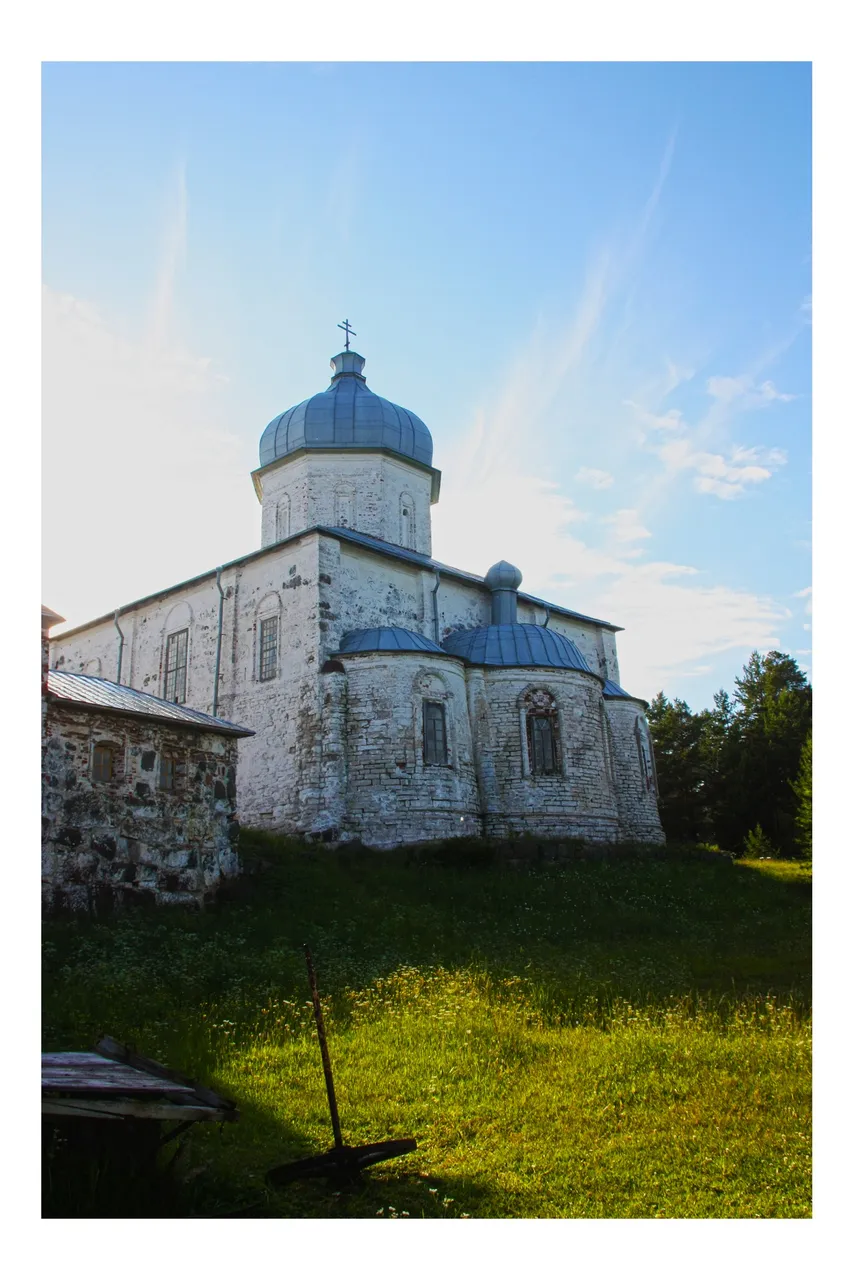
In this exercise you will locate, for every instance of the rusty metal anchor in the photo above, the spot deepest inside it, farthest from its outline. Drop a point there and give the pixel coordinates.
(342, 1163)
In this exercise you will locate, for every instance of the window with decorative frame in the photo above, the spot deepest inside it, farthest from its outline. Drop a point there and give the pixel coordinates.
(435, 733)
(542, 729)
(175, 676)
(268, 649)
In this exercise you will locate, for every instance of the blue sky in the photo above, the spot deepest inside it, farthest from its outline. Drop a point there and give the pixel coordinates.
(592, 281)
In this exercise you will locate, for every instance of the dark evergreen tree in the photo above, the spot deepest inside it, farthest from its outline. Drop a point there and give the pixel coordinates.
(803, 791)
(676, 734)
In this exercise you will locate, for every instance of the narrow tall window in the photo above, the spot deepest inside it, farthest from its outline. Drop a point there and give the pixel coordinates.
(175, 682)
(541, 743)
(173, 773)
(407, 521)
(103, 762)
(269, 649)
(435, 733)
(282, 518)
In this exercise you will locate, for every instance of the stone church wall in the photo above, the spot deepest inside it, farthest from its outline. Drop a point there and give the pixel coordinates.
(633, 762)
(369, 493)
(392, 795)
(577, 800)
(129, 839)
(291, 778)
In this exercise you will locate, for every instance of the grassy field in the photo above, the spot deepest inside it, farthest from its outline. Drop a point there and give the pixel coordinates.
(600, 1039)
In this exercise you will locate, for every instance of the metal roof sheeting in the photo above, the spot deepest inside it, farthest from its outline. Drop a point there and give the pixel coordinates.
(425, 562)
(104, 695)
(388, 640)
(347, 415)
(614, 690)
(515, 645)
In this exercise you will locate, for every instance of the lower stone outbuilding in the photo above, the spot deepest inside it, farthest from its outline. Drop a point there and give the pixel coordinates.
(138, 797)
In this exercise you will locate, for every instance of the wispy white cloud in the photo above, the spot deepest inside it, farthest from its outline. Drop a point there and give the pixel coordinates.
(726, 477)
(141, 474)
(594, 478)
(672, 420)
(626, 526)
(172, 257)
(744, 392)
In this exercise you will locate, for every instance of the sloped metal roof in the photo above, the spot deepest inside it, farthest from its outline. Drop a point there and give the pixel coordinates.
(347, 415)
(343, 535)
(105, 695)
(388, 640)
(614, 690)
(426, 562)
(515, 645)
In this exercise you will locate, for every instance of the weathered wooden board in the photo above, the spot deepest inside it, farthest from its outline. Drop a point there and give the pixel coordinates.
(114, 1109)
(115, 1082)
(90, 1073)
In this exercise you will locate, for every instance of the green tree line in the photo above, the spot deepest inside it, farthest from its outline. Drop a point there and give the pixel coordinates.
(739, 775)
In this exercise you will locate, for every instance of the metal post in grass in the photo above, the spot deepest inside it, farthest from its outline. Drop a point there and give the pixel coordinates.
(342, 1164)
(324, 1048)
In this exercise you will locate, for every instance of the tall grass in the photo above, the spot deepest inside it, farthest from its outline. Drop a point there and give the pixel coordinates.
(598, 1039)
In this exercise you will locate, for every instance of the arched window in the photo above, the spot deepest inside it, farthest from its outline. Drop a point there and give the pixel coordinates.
(645, 751)
(345, 506)
(175, 681)
(407, 521)
(267, 637)
(282, 518)
(542, 732)
(435, 733)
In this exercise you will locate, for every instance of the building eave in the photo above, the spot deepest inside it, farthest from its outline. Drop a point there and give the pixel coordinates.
(364, 542)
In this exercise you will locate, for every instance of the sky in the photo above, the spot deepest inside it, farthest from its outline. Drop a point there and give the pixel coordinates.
(592, 281)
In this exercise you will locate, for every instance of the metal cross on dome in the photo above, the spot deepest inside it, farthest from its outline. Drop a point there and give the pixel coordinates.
(347, 330)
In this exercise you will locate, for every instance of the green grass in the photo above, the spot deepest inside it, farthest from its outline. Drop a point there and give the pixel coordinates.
(609, 1038)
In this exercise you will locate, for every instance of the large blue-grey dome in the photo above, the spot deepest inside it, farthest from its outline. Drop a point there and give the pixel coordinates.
(347, 415)
(515, 644)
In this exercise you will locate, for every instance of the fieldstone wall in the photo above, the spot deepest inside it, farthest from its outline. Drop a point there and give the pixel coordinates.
(633, 764)
(129, 839)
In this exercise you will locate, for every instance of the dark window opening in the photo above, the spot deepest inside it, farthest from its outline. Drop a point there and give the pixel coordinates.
(269, 649)
(435, 733)
(175, 683)
(173, 773)
(103, 763)
(542, 744)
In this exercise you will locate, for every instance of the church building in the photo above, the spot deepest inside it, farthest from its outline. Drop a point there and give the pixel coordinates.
(392, 698)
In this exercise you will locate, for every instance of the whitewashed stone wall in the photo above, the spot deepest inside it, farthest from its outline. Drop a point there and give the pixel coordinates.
(392, 795)
(633, 763)
(578, 800)
(300, 773)
(372, 493)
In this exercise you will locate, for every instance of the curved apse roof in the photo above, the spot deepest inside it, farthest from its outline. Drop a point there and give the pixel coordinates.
(515, 644)
(388, 640)
(347, 415)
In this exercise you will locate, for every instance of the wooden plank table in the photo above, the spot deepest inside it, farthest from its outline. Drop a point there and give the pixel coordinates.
(114, 1082)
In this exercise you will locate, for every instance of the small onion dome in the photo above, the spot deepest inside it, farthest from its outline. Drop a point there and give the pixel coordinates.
(388, 640)
(613, 690)
(503, 576)
(515, 645)
(347, 415)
